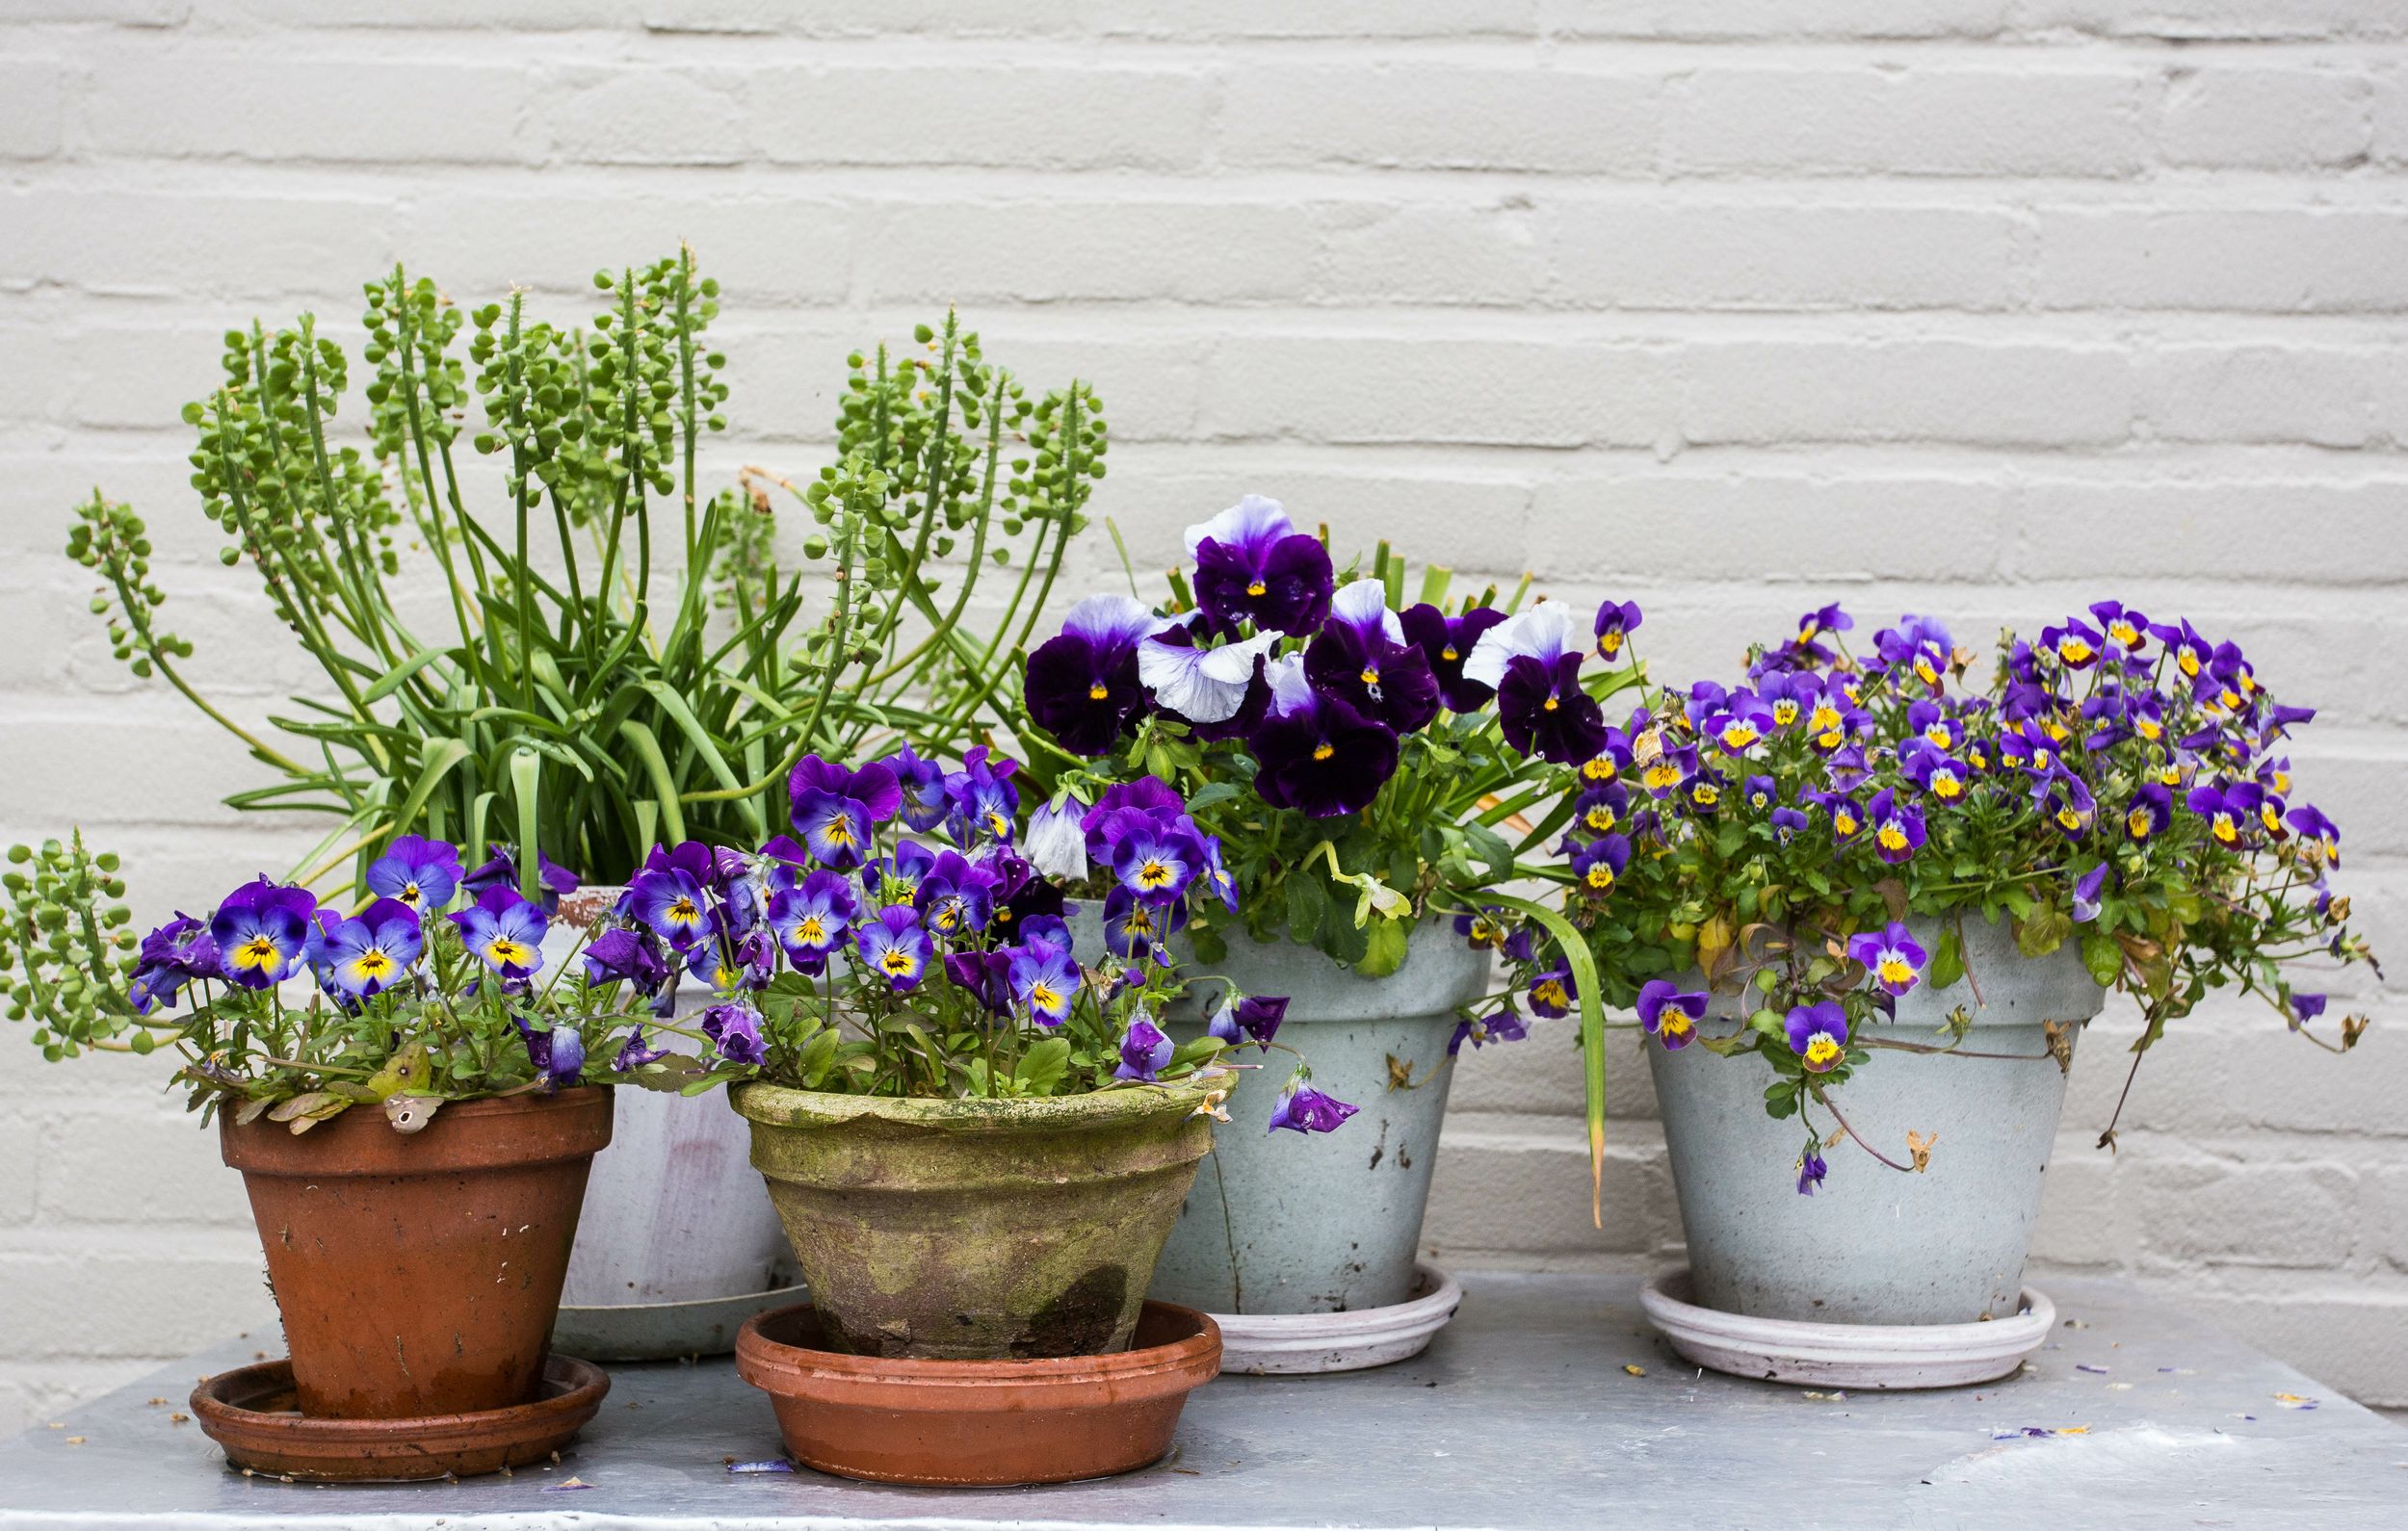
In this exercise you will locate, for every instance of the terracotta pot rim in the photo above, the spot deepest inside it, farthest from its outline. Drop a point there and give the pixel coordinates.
(431, 1446)
(1005, 1384)
(486, 1133)
(783, 1105)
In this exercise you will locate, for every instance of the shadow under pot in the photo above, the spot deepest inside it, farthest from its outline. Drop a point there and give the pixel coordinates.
(1872, 1245)
(970, 1230)
(418, 1274)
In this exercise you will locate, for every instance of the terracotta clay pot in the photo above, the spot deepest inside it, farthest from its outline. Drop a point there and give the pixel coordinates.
(978, 1230)
(978, 1422)
(418, 1273)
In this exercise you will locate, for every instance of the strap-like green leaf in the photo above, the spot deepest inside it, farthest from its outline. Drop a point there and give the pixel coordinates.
(1592, 1038)
(664, 785)
(442, 754)
(399, 675)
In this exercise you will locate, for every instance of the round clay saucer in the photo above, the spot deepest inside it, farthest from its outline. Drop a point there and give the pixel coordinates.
(249, 1412)
(986, 1423)
(1291, 1344)
(1845, 1355)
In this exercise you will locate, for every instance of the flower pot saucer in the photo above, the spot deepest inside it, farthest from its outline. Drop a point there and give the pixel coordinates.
(1294, 1344)
(1872, 1355)
(664, 1331)
(979, 1424)
(249, 1412)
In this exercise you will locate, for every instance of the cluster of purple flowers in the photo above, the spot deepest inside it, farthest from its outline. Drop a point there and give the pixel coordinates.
(264, 933)
(1321, 681)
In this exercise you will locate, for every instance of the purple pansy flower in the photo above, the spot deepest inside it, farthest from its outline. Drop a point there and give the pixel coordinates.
(1531, 661)
(673, 905)
(172, 956)
(1043, 980)
(1145, 1050)
(1158, 863)
(1598, 809)
(984, 800)
(734, 1030)
(1787, 822)
(1741, 724)
(1553, 993)
(1818, 1034)
(1596, 864)
(621, 955)
(2075, 643)
(1361, 657)
(812, 918)
(558, 1052)
(2125, 628)
(1319, 756)
(1082, 684)
(418, 873)
(1252, 565)
(1445, 642)
(896, 879)
(1811, 1169)
(1617, 620)
(505, 932)
(2148, 811)
(1668, 1015)
(1301, 1109)
(2306, 1008)
(1891, 956)
(893, 945)
(2228, 810)
(1134, 926)
(1254, 1018)
(2310, 824)
(365, 954)
(924, 803)
(260, 931)
(837, 810)
(1898, 827)
(2086, 888)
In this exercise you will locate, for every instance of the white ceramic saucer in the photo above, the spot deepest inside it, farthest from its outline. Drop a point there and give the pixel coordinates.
(1845, 1355)
(1291, 1344)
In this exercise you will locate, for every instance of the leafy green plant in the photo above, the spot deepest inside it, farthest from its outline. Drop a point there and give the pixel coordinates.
(618, 658)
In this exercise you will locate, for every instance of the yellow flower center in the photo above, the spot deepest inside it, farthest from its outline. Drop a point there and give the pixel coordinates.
(1704, 794)
(503, 952)
(1895, 969)
(1609, 643)
(1785, 711)
(1821, 1050)
(1323, 750)
(2074, 650)
(1548, 704)
(1844, 821)
(1043, 997)
(2068, 817)
(1369, 675)
(1098, 693)
(2140, 823)
(811, 932)
(258, 952)
(1943, 784)
(1154, 875)
(1550, 991)
(1601, 876)
(371, 963)
(896, 961)
(1891, 836)
(1738, 736)
(1673, 1023)
(1599, 818)
(1257, 587)
(1447, 654)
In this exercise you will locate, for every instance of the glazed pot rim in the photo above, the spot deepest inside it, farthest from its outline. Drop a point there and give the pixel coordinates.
(785, 1105)
(954, 1385)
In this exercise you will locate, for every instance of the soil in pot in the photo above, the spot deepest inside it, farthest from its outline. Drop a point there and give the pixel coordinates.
(418, 1273)
(978, 1230)
(1283, 1223)
(979, 1422)
(1874, 1246)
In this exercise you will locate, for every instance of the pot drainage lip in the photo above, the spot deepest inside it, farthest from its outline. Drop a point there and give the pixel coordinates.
(1845, 1355)
(249, 1412)
(1293, 1344)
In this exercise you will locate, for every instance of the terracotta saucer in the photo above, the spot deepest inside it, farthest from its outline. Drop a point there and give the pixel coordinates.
(979, 1422)
(249, 1412)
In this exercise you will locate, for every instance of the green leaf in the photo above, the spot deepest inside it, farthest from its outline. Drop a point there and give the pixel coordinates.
(2102, 957)
(1592, 1038)
(2042, 931)
(399, 675)
(656, 766)
(1948, 961)
(1385, 943)
(442, 754)
(1307, 902)
(1042, 1066)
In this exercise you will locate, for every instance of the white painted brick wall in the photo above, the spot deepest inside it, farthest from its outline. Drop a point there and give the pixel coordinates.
(1979, 306)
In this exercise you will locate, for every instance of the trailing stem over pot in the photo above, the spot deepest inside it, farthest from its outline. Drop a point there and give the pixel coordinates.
(276, 1005)
(2121, 784)
(592, 680)
(1362, 761)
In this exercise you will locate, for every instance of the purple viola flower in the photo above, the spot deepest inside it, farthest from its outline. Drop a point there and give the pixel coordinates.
(1891, 956)
(1553, 993)
(812, 918)
(2075, 643)
(1134, 926)
(505, 932)
(893, 945)
(957, 897)
(673, 905)
(172, 956)
(2086, 890)
(1818, 1034)
(415, 871)
(1617, 620)
(635, 1052)
(557, 1052)
(836, 809)
(984, 800)
(619, 955)
(1301, 1109)
(1600, 809)
(1445, 642)
(364, 955)
(260, 931)
(1811, 1169)
(734, 1030)
(2309, 824)
(1252, 565)
(1531, 661)
(1703, 791)
(1148, 798)
(1484, 930)
(985, 975)
(1935, 725)
(1898, 827)
(1361, 655)
(1145, 1050)
(1043, 981)
(1596, 864)
(896, 879)
(2125, 628)
(1157, 864)
(1787, 822)
(1811, 628)
(1918, 645)
(501, 871)
(2148, 811)
(1790, 696)
(1944, 777)
(1082, 684)
(2070, 807)
(1759, 793)
(923, 784)
(1034, 900)
(1322, 758)
(2228, 810)
(1741, 723)
(1253, 1019)
(1848, 819)
(1672, 765)
(2305, 1007)
(1505, 1026)
(1668, 1015)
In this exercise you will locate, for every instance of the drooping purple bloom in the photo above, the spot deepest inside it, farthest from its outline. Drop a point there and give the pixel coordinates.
(1898, 827)
(1811, 1169)
(501, 871)
(2087, 905)
(1043, 981)
(894, 946)
(558, 1052)
(260, 930)
(1617, 620)
(1145, 1050)
(1668, 1015)
(172, 956)
(985, 975)
(364, 955)
(1083, 685)
(1445, 642)
(1301, 1109)
(635, 1052)
(2310, 824)
(734, 1030)
(1252, 565)
(837, 810)
(2306, 1008)
(619, 955)
(1254, 1018)
(1891, 956)
(1361, 655)
(504, 931)
(415, 871)
(923, 784)
(1818, 1034)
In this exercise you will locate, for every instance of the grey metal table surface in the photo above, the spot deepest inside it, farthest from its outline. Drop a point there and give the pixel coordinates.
(1521, 1415)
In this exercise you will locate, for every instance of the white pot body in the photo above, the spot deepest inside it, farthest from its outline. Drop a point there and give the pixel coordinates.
(1874, 1246)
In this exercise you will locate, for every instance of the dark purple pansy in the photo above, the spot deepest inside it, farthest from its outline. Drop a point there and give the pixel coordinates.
(984, 801)
(2148, 811)
(1552, 993)
(1255, 1019)
(673, 905)
(501, 869)
(172, 956)
(1445, 642)
(2228, 810)
(1252, 565)
(1596, 864)
(1081, 686)
(1301, 1109)
(1818, 1034)
(619, 955)
(558, 1052)
(734, 1030)
(260, 930)
(1668, 1015)
(1360, 656)
(1811, 1169)
(1320, 756)
(635, 1052)
(1531, 659)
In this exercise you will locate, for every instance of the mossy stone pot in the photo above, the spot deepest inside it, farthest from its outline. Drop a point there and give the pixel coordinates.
(1871, 1245)
(1289, 1223)
(978, 1230)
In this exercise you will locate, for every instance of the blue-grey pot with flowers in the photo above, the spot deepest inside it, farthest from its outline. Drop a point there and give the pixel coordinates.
(1829, 1235)
(1286, 1216)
